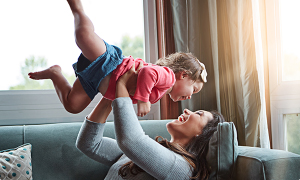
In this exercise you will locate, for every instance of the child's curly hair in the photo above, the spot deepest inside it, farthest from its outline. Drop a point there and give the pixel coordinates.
(186, 62)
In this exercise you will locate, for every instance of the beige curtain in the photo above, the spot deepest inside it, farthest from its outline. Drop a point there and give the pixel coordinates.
(228, 38)
(190, 34)
(166, 46)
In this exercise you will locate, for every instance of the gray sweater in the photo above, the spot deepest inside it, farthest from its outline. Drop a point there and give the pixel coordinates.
(131, 143)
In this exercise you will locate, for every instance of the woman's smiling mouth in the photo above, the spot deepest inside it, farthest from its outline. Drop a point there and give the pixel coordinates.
(182, 119)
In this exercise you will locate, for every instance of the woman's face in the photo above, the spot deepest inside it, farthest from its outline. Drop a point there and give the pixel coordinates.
(188, 125)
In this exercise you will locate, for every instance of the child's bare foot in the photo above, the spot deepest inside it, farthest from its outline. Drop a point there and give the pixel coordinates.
(45, 74)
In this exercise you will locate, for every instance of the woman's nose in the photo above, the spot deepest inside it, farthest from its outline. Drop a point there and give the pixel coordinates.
(186, 111)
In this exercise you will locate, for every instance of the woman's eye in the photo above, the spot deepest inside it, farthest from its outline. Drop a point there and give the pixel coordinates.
(200, 113)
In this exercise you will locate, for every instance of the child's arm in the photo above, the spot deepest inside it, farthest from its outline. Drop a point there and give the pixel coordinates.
(145, 82)
(143, 108)
(154, 81)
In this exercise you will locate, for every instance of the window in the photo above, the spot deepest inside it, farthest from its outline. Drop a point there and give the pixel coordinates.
(289, 10)
(284, 68)
(41, 31)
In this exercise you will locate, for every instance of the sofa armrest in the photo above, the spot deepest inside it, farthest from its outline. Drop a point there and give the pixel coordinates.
(223, 151)
(264, 164)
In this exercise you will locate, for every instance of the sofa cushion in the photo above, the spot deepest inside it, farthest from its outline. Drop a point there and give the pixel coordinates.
(16, 163)
(54, 155)
(223, 151)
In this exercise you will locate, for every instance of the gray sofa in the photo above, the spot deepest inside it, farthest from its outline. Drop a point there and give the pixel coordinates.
(55, 157)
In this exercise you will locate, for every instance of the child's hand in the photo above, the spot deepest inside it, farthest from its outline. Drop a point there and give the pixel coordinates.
(129, 79)
(143, 108)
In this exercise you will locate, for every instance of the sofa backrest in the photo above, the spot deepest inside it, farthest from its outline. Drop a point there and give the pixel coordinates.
(54, 155)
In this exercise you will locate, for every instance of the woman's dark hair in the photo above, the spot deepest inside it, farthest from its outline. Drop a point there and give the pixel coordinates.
(195, 152)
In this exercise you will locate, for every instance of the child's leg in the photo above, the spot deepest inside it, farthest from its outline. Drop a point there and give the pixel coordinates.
(91, 45)
(73, 98)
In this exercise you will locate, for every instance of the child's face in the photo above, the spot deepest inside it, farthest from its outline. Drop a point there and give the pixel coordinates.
(184, 87)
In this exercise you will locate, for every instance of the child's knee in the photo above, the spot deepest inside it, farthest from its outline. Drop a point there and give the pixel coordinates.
(74, 108)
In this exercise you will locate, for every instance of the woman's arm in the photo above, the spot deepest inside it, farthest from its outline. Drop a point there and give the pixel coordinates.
(90, 139)
(149, 155)
(91, 142)
(100, 113)
(152, 157)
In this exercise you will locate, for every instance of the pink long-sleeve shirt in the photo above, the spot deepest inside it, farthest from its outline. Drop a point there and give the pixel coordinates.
(152, 83)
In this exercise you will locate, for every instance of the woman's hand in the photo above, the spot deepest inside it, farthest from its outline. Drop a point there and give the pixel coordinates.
(126, 84)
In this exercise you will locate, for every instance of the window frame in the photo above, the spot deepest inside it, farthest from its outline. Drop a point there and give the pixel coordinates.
(284, 95)
(19, 107)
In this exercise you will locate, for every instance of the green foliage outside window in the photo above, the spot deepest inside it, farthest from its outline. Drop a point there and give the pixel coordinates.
(33, 64)
(293, 132)
(133, 46)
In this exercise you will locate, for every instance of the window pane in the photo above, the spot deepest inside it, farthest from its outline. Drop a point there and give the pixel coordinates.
(292, 132)
(43, 33)
(290, 39)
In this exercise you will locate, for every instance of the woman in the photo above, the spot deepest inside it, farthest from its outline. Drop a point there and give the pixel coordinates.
(136, 156)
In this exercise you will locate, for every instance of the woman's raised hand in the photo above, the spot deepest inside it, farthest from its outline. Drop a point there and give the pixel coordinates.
(126, 84)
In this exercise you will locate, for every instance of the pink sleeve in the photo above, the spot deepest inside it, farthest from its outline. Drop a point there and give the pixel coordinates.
(146, 80)
(153, 76)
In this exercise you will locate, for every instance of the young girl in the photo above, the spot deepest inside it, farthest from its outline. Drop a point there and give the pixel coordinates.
(101, 64)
